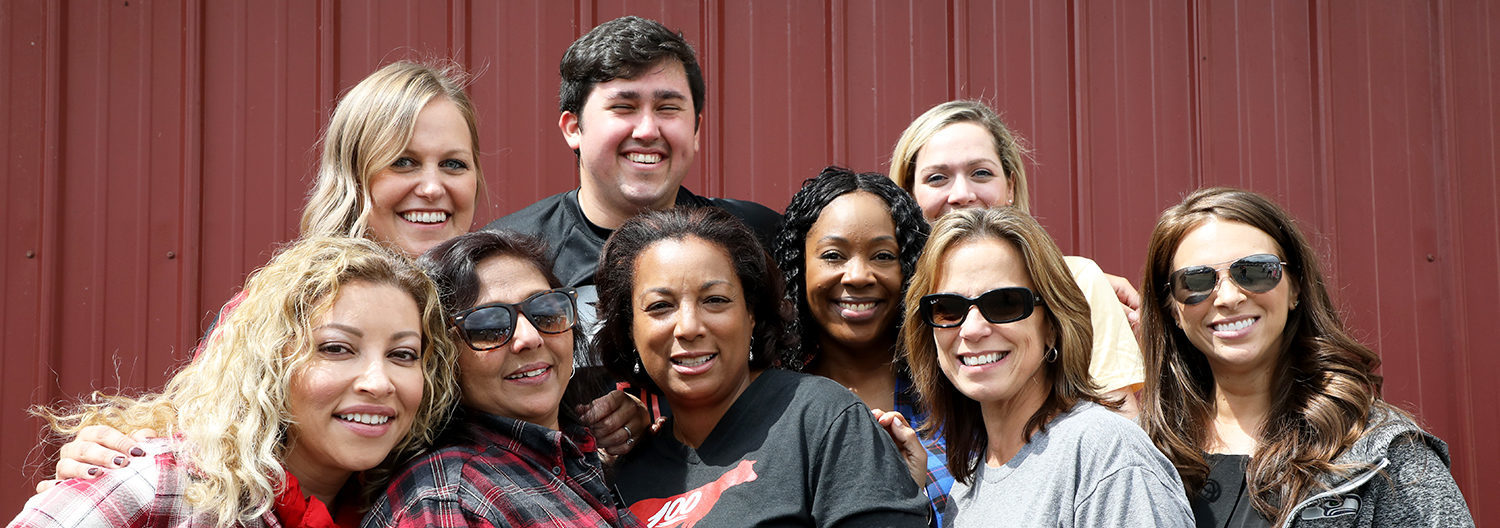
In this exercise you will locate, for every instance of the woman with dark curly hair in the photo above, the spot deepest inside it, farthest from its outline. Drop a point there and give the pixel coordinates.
(847, 245)
(692, 306)
(1269, 409)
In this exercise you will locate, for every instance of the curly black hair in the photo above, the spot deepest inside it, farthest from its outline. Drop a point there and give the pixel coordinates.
(806, 206)
(759, 278)
(622, 49)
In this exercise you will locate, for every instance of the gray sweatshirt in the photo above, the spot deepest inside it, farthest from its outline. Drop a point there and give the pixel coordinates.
(1406, 481)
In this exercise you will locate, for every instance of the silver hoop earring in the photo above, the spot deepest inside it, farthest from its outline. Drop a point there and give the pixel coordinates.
(1052, 353)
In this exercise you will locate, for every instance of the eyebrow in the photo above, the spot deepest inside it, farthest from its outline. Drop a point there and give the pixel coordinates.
(632, 95)
(837, 238)
(668, 291)
(360, 333)
(966, 163)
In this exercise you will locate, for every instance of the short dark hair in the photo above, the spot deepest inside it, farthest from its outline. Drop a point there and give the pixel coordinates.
(453, 266)
(806, 206)
(758, 276)
(621, 49)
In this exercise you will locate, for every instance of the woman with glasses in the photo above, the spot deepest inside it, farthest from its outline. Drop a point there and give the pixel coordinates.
(333, 370)
(997, 336)
(400, 165)
(515, 452)
(960, 155)
(1269, 409)
(692, 307)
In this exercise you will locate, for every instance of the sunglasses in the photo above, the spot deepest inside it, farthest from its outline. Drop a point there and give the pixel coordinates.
(490, 326)
(1257, 273)
(1000, 305)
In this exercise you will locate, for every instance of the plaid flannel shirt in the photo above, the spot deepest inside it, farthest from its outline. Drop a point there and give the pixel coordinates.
(150, 492)
(497, 471)
(939, 480)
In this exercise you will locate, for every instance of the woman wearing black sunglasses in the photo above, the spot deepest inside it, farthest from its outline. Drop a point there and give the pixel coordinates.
(514, 452)
(998, 338)
(1269, 409)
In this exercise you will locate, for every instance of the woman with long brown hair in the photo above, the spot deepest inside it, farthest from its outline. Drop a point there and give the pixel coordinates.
(1256, 392)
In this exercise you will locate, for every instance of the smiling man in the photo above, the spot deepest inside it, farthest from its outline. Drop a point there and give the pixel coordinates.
(632, 105)
(632, 102)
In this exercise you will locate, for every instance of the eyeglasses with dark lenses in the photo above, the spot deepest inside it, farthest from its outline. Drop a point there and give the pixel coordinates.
(1257, 273)
(490, 326)
(1000, 305)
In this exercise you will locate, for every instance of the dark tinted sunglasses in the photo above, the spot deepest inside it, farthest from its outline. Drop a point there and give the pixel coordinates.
(490, 326)
(1000, 305)
(1257, 273)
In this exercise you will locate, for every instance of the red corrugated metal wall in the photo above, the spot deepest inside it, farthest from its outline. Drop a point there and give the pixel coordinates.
(156, 151)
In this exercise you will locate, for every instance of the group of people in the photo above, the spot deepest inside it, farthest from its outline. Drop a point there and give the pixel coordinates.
(902, 349)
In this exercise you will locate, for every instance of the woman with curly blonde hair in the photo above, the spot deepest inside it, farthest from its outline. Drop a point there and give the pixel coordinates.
(1257, 393)
(337, 362)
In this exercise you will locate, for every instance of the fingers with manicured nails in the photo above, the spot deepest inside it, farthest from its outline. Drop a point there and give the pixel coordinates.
(43, 486)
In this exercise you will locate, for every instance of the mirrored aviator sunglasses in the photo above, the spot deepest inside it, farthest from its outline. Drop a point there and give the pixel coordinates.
(1258, 273)
(1000, 305)
(490, 326)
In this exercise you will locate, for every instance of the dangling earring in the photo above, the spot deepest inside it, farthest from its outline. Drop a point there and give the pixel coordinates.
(752, 351)
(1052, 353)
(637, 366)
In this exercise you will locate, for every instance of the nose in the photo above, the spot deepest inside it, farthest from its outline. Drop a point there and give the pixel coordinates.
(647, 129)
(1227, 292)
(858, 273)
(962, 192)
(974, 327)
(429, 184)
(525, 336)
(689, 324)
(374, 379)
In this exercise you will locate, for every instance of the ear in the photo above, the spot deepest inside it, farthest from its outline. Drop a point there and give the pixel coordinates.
(572, 131)
(697, 130)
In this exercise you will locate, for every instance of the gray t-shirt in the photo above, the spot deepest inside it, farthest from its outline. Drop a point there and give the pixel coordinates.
(1091, 467)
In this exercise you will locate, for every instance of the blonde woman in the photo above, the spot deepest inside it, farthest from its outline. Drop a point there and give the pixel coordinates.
(400, 166)
(960, 155)
(335, 363)
(997, 336)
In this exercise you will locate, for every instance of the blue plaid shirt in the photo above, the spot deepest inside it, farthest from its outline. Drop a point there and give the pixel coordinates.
(939, 480)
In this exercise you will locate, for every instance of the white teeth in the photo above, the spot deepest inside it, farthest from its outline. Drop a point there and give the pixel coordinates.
(643, 158)
(528, 374)
(1235, 326)
(695, 361)
(982, 359)
(425, 217)
(367, 419)
(857, 307)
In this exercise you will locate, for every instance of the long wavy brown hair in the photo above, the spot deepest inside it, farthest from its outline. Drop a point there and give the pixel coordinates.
(1324, 385)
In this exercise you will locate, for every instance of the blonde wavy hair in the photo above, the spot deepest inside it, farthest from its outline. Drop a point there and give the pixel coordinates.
(1064, 308)
(230, 405)
(368, 131)
(1008, 146)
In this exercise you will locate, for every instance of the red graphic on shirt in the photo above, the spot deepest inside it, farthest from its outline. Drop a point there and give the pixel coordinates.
(686, 509)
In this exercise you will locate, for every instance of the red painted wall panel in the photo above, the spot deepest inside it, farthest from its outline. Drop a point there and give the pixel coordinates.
(157, 151)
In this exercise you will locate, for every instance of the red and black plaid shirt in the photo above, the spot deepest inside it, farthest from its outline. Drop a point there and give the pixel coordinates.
(496, 471)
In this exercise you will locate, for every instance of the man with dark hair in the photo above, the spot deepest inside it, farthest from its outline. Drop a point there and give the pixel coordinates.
(632, 102)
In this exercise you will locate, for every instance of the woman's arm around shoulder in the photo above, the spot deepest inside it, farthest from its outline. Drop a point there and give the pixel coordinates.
(152, 486)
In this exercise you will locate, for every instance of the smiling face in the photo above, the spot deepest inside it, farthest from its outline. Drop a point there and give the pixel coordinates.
(691, 322)
(635, 139)
(355, 399)
(853, 270)
(426, 196)
(1237, 330)
(993, 364)
(959, 168)
(525, 378)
